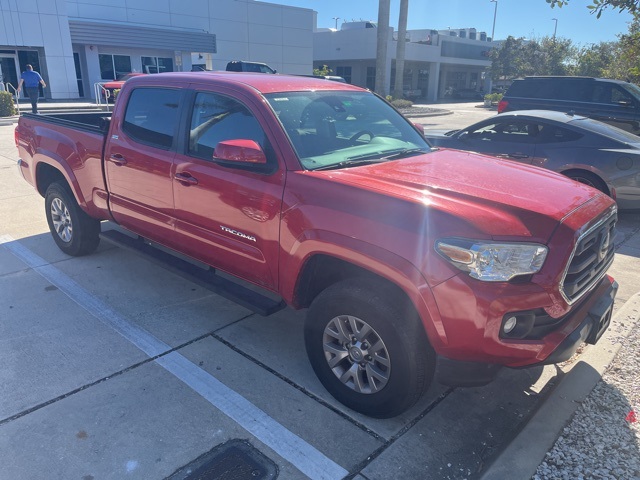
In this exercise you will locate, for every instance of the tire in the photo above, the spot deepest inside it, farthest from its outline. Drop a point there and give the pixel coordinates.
(588, 178)
(75, 232)
(369, 352)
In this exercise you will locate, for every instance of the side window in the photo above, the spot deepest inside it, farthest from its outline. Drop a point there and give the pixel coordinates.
(553, 134)
(515, 131)
(217, 118)
(152, 116)
(618, 95)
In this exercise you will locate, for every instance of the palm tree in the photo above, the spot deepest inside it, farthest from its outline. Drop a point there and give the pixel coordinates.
(402, 33)
(381, 56)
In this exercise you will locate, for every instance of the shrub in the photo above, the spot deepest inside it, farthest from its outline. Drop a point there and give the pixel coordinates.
(401, 103)
(493, 97)
(7, 107)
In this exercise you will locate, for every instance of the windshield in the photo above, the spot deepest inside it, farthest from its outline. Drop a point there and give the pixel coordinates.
(334, 129)
(633, 89)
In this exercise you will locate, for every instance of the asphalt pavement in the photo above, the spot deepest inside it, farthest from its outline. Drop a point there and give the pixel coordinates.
(115, 368)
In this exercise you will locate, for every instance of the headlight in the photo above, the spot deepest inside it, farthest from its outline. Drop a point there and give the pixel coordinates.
(492, 261)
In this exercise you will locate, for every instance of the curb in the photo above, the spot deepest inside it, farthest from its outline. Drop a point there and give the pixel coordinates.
(428, 114)
(521, 458)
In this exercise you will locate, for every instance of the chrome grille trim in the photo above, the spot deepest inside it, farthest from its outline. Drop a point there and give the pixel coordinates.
(606, 218)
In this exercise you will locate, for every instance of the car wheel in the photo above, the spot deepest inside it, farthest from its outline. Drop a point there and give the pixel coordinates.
(368, 350)
(75, 232)
(588, 178)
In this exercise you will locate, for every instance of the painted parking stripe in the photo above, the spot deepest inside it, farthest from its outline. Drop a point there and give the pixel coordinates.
(289, 446)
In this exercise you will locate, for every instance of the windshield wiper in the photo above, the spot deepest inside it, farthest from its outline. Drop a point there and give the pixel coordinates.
(371, 158)
(351, 163)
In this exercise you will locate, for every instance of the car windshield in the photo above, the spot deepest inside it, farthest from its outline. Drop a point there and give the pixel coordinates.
(633, 89)
(337, 129)
(605, 129)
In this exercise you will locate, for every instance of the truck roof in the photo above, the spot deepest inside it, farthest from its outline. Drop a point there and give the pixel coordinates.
(262, 82)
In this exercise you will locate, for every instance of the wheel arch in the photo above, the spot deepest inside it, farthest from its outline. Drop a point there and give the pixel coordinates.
(324, 265)
(568, 171)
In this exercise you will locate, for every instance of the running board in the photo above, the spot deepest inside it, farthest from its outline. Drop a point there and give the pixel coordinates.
(206, 278)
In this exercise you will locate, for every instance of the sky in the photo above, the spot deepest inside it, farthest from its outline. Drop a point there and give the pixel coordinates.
(519, 18)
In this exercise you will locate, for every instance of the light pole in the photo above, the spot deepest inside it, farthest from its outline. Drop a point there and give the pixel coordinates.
(495, 12)
(555, 29)
(336, 19)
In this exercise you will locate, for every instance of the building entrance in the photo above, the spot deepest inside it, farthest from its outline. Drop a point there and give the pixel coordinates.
(9, 71)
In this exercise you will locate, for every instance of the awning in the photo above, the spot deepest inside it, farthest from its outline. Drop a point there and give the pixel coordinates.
(128, 35)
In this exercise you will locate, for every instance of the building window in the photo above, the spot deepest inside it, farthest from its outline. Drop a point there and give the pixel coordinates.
(157, 64)
(344, 72)
(371, 78)
(114, 67)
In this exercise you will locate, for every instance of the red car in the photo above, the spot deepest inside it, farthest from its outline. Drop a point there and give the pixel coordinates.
(116, 85)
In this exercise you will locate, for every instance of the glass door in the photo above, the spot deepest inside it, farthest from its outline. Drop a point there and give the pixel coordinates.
(9, 70)
(76, 61)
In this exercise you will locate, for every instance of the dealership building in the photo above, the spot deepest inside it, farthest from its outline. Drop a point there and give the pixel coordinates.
(76, 44)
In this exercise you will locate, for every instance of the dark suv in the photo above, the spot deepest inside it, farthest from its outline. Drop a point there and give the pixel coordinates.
(611, 101)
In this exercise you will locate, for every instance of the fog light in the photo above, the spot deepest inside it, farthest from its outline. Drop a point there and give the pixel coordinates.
(510, 324)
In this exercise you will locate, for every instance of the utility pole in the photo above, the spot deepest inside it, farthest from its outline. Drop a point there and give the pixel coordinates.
(495, 12)
(555, 29)
(381, 54)
(400, 50)
(336, 19)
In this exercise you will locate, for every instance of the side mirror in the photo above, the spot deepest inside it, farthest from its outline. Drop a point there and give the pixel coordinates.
(240, 152)
(419, 127)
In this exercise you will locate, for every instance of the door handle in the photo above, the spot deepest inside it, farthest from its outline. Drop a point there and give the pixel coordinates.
(519, 156)
(117, 159)
(185, 179)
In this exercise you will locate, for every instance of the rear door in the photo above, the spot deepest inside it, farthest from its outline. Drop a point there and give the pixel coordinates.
(139, 159)
(228, 217)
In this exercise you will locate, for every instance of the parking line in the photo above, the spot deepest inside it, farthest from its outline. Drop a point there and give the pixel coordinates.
(289, 446)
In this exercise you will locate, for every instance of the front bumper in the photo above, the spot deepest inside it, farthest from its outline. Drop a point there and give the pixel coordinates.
(592, 317)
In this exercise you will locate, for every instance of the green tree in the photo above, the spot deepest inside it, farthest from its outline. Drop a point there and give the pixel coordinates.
(595, 60)
(626, 61)
(598, 6)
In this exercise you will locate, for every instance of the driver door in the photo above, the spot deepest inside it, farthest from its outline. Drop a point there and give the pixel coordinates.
(228, 216)
(513, 139)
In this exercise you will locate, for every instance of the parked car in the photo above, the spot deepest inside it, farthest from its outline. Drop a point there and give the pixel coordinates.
(411, 262)
(463, 93)
(242, 66)
(117, 85)
(591, 152)
(610, 101)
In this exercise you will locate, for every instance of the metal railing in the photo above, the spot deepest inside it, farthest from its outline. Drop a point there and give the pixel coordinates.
(101, 94)
(14, 93)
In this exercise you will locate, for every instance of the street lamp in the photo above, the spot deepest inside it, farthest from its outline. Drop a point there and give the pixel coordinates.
(555, 29)
(336, 19)
(495, 12)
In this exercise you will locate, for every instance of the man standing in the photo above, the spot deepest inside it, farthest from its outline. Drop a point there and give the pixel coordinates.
(31, 81)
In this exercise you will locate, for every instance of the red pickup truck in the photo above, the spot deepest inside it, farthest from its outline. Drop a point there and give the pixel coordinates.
(411, 260)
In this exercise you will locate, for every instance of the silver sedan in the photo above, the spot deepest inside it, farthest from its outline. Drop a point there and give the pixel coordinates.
(591, 152)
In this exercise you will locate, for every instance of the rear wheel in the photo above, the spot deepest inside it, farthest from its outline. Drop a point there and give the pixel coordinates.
(75, 232)
(368, 347)
(588, 178)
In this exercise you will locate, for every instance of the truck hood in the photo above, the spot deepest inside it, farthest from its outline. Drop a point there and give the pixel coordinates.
(500, 198)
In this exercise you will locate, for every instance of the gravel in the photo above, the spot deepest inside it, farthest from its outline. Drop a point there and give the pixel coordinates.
(602, 441)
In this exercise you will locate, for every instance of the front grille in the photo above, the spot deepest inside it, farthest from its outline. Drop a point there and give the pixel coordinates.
(590, 259)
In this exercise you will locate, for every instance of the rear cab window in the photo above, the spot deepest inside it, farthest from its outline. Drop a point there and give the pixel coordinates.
(152, 116)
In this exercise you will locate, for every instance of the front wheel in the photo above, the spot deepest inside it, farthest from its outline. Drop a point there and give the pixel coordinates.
(588, 178)
(367, 348)
(75, 232)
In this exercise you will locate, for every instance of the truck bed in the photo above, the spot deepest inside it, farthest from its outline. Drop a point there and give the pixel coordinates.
(97, 122)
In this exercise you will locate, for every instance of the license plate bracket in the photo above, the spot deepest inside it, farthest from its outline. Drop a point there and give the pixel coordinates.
(600, 315)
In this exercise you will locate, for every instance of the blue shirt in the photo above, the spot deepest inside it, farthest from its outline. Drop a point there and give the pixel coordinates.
(31, 78)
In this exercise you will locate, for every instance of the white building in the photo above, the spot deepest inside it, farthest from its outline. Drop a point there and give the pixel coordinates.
(436, 62)
(77, 43)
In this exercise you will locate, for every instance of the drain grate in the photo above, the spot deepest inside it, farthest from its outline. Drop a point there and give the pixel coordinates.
(232, 460)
